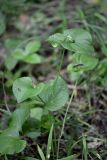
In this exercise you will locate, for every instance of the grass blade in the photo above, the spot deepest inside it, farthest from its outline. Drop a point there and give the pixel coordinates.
(49, 145)
(41, 153)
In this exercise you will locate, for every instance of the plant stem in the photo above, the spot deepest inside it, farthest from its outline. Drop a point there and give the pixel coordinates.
(62, 57)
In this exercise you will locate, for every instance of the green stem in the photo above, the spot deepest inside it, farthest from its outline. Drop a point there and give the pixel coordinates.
(61, 62)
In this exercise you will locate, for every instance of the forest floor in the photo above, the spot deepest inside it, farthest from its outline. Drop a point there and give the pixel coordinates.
(85, 132)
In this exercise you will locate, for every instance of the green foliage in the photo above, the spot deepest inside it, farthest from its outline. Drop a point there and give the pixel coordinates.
(75, 40)
(32, 111)
(10, 45)
(67, 158)
(23, 89)
(36, 113)
(83, 60)
(10, 63)
(81, 63)
(55, 94)
(41, 153)
(9, 7)
(36, 102)
(9, 138)
(26, 54)
(33, 46)
(49, 145)
(11, 145)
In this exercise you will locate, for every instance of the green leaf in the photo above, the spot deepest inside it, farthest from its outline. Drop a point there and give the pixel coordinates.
(55, 94)
(19, 117)
(33, 46)
(83, 62)
(76, 40)
(56, 40)
(74, 75)
(19, 54)
(36, 113)
(67, 158)
(41, 153)
(33, 59)
(79, 35)
(49, 145)
(23, 89)
(85, 148)
(10, 142)
(11, 145)
(33, 134)
(10, 63)
(101, 69)
(2, 24)
(12, 44)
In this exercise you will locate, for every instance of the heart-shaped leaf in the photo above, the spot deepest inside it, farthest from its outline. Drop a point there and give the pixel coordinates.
(10, 62)
(33, 59)
(55, 94)
(23, 89)
(19, 54)
(83, 62)
(11, 145)
(76, 40)
(33, 46)
(56, 40)
(80, 64)
(10, 142)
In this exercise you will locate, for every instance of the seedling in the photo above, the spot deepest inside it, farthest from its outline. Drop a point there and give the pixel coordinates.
(23, 51)
(38, 100)
(48, 97)
(84, 60)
